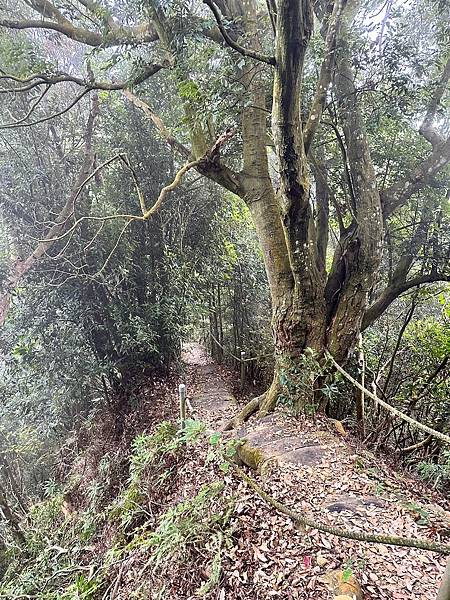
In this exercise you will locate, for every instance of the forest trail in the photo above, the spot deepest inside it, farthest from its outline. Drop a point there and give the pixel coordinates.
(208, 392)
(316, 470)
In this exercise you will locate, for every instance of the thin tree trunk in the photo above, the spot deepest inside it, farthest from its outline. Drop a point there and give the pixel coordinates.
(12, 520)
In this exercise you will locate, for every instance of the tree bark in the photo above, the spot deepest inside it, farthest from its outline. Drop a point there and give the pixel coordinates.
(444, 590)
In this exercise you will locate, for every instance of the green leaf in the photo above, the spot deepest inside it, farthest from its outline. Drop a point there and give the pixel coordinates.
(224, 467)
(215, 438)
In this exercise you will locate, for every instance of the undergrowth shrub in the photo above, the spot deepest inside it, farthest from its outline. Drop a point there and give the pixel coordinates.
(153, 465)
(436, 474)
(185, 532)
(75, 555)
(52, 553)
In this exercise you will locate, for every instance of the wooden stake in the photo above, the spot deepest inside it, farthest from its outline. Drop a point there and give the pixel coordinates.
(242, 370)
(182, 397)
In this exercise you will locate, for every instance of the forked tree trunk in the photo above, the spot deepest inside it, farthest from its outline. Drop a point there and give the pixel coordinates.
(311, 309)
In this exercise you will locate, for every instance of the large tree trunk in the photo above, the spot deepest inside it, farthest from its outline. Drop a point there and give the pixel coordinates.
(312, 310)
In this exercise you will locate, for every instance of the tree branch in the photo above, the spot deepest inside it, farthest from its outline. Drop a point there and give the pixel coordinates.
(45, 79)
(393, 291)
(270, 60)
(114, 35)
(90, 86)
(325, 75)
(213, 169)
(400, 192)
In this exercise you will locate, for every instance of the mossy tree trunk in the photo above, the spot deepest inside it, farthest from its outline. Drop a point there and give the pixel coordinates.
(312, 307)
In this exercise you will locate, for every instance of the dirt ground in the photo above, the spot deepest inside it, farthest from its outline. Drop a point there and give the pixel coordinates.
(319, 472)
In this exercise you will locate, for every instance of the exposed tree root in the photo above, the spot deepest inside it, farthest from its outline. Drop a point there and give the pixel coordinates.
(270, 399)
(264, 404)
(344, 533)
(249, 409)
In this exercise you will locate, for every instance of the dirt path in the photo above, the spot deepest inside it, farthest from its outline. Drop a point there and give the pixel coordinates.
(320, 472)
(208, 392)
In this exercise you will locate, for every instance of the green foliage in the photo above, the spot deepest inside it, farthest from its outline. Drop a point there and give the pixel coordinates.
(424, 517)
(436, 473)
(53, 554)
(301, 378)
(152, 465)
(59, 548)
(82, 589)
(188, 526)
(222, 452)
(21, 57)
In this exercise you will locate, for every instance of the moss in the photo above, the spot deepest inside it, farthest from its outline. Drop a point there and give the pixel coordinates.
(251, 456)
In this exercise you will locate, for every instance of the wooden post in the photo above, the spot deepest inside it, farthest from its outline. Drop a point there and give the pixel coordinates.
(242, 370)
(360, 400)
(182, 397)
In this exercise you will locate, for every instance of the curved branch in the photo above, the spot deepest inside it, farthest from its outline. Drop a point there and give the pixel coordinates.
(50, 117)
(146, 212)
(91, 38)
(163, 131)
(115, 33)
(393, 291)
(90, 86)
(33, 106)
(44, 79)
(270, 60)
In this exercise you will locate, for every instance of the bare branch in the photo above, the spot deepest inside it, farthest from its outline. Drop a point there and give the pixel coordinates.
(393, 291)
(163, 131)
(91, 38)
(146, 213)
(52, 80)
(400, 192)
(45, 79)
(32, 107)
(270, 60)
(17, 124)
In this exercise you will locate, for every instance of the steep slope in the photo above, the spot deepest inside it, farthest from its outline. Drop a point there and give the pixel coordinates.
(147, 511)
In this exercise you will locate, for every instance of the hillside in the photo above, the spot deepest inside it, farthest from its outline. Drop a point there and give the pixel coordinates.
(146, 512)
(247, 201)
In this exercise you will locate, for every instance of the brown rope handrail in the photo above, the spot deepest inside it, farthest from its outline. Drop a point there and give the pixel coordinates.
(394, 411)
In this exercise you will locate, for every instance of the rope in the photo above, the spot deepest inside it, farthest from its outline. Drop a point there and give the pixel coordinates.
(343, 533)
(258, 357)
(394, 411)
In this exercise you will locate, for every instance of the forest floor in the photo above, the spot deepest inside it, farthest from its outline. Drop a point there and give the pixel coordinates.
(319, 472)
